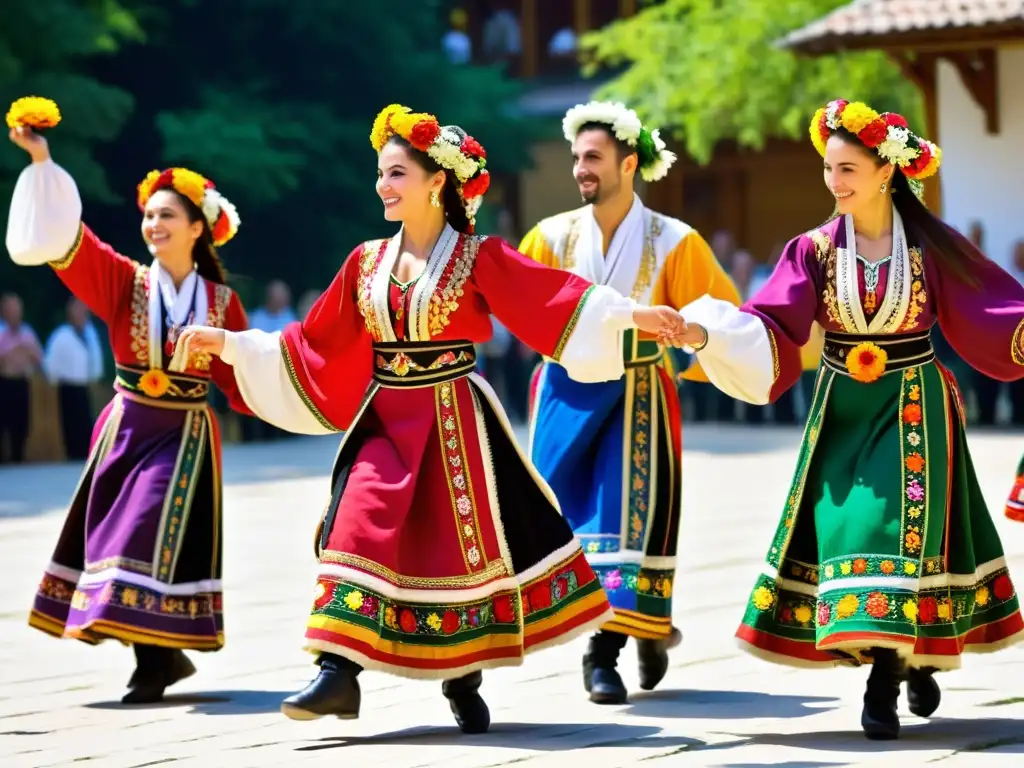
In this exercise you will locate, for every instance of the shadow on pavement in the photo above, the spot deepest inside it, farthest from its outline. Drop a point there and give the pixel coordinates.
(960, 736)
(543, 737)
(726, 705)
(212, 703)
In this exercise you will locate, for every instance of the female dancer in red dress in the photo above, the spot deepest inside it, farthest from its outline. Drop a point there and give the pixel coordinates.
(442, 552)
(139, 558)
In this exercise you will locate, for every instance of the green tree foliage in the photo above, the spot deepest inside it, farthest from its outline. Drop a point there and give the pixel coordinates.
(44, 45)
(706, 70)
(279, 113)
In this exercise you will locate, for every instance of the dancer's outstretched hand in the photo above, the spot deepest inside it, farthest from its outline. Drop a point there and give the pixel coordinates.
(198, 338)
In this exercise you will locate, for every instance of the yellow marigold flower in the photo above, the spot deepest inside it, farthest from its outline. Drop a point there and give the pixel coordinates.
(910, 610)
(857, 116)
(909, 568)
(354, 599)
(190, 184)
(146, 187)
(34, 112)
(643, 584)
(763, 598)
(945, 610)
(666, 588)
(847, 606)
(154, 383)
(981, 597)
(866, 362)
(803, 613)
(380, 132)
(845, 567)
(390, 617)
(816, 137)
(434, 621)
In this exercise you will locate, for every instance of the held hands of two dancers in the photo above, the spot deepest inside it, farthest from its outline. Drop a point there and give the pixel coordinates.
(664, 323)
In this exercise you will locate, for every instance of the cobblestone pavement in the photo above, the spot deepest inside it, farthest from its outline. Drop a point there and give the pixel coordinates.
(59, 701)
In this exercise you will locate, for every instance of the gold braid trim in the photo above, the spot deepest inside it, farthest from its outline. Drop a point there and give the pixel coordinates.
(776, 366)
(571, 325)
(1017, 344)
(293, 377)
(65, 261)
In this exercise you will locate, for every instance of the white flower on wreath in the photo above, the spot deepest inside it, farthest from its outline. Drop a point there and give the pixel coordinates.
(896, 149)
(214, 203)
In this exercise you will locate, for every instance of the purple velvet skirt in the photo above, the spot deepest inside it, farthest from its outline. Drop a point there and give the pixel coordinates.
(139, 556)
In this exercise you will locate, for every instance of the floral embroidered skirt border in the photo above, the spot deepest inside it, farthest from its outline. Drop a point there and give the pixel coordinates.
(885, 540)
(442, 551)
(138, 559)
(611, 452)
(1015, 501)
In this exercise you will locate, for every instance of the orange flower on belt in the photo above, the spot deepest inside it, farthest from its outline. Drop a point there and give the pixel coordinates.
(154, 382)
(866, 362)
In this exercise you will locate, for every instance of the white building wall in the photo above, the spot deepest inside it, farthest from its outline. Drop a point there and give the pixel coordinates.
(982, 175)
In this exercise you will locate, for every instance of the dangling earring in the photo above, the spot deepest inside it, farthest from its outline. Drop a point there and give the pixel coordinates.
(435, 199)
(884, 187)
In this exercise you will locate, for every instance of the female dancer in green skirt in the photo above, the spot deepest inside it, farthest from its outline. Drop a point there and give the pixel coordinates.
(886, 553)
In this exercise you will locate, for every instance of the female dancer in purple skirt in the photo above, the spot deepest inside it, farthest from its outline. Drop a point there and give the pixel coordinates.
(139, 558)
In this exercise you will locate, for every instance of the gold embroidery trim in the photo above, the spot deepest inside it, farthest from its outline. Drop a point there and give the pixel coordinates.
(918, 293)
(571, 325)
(140, 315)
(826, 254)
(649, 259)
(401, 364)
(368, 263)
(569, 257)
(445, 301)
(1017, 344)
(776, 366)
(493, 570)
(65, 261)
(293, 377)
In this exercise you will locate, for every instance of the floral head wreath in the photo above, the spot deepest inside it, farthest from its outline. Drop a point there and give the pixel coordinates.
(887, 134)
(654, 159)
(219, 213)
(449, 146)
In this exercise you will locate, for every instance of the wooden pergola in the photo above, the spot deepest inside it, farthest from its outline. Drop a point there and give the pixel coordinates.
(917, 34)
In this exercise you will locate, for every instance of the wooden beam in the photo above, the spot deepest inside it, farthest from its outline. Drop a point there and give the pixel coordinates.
(922, 71)
(627, 8)
(953, 39)
(979, 71)
(581, 16)
(528, 18)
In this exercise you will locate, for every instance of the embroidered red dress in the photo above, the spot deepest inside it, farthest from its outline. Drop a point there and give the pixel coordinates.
(441, 551)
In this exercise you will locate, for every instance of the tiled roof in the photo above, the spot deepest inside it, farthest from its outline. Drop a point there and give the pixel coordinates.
(863, 19)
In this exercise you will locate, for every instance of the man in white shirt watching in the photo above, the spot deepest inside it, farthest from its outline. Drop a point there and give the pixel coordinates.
(73, 361)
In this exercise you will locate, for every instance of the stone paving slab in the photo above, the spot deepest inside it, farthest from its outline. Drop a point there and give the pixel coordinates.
(716, 707)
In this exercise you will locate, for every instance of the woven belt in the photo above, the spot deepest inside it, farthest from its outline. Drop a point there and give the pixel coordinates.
(160, 388)
(421, 363)
(900, 352)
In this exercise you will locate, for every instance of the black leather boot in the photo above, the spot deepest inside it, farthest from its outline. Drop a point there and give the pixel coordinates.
(156, 669)
(879, 718)
(468, 706)
(334, 691)
(600, 678)
(653, 657)
(923, 693)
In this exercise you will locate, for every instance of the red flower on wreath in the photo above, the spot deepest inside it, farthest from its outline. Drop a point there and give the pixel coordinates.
(874, 133)
(473, 147)
(919, 163)
(424, 133)
(927, 610)
(824, 614)
(912, 414)
(450, 622)
(476, 186)
(504, 609)
(1002, 587)
(877, 605)
(407, 620)
(891, 118)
